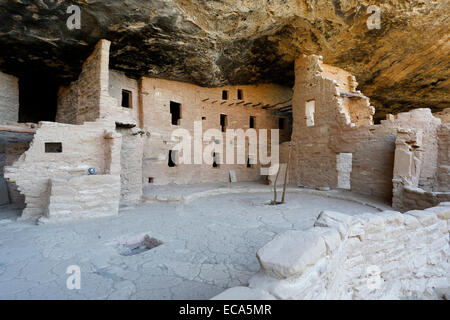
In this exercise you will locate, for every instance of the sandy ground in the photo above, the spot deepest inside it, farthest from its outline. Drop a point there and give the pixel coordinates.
(208, 245)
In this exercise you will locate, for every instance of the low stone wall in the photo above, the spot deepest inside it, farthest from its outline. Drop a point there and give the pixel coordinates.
(83, 196)
(386, 255)
(416, 198)
(82, 147)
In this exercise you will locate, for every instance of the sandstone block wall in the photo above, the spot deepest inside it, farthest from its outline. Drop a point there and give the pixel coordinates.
(83, 147)
(12, 145)
(118, 81)
(80, 101)
(343, 128)
(131, 155)
(386, 255)
(88, 98)
(417, 198)
(443, 167)
(204, 105)
(83, 196)
(9, 98)
(408, 170)
(88, 139)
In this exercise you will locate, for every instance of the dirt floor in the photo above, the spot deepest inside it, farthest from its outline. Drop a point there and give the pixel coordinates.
(208, 245)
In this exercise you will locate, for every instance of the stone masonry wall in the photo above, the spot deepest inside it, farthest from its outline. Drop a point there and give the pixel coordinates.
(83, 147)
(88, 98)
(337, 130)
(83, 196)
(204, 105)
(12, 146)
(408, 171)
(131, 155)
(88, 141)
(443, 168)
(385, 255)
(80, 101)
(9, 98)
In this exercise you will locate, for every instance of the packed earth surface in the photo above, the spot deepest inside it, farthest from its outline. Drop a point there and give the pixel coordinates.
(208, 245)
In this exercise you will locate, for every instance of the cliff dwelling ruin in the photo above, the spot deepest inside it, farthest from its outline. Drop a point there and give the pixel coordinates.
(173, 159)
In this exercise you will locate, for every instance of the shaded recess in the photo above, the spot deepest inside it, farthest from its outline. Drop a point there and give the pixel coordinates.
(402, 65)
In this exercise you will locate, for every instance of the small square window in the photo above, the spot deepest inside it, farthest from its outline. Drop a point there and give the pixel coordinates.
(223, 122)
(53, 147)
(252, 122)
(240, 94)
(150, 179)
(224, 95)
(126, 99)
(175, 111)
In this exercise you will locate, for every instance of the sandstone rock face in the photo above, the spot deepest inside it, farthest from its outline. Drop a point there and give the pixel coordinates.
(402, 65)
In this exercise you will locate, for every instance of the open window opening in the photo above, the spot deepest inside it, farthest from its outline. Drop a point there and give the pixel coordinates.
(249, 164)
(173, 158)
(281, 123)
(38, 98)
(150, 180)
(252, 122)
(240, 94)
(127, 98)
(215, 160)
(224, 95)
(223, 122)
(310, 109)
(53, 147)
(175, 111)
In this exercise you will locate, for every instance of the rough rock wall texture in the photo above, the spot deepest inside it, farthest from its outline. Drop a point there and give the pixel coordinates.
(372, 146)
(204, 105)
(444, 115)
(386, 255)
(233, 42)
(9, 98)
